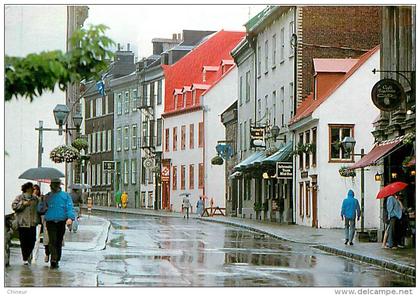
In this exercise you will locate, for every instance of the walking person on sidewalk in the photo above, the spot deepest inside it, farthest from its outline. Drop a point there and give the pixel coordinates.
(59, 213)
(200, 207)
(349, 209)
(186, 205)
(37, 192)
(394, 209)
(76, 196)
(27, 218)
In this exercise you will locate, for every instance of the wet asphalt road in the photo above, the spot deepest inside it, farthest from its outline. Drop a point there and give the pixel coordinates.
(153, 251)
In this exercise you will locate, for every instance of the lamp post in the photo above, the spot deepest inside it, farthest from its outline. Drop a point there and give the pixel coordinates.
(348, 144)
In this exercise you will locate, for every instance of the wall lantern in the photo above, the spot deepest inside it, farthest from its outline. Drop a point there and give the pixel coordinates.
(378, 177)
(266, 176)
(348, 143)
(394, 175)
(61, 112)
(413, 173)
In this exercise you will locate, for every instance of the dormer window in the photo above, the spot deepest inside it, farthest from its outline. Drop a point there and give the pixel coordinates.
(204, 75)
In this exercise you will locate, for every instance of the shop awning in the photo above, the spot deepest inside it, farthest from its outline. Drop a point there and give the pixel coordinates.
(243, 164)
(257, 160)
(379, 151)
(281, 155)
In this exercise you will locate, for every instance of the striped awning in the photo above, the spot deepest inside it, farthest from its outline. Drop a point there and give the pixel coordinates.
(283, 154)
(244, 163)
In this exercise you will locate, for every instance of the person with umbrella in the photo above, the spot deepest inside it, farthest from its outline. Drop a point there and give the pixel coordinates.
(27, 218)
(59, 213)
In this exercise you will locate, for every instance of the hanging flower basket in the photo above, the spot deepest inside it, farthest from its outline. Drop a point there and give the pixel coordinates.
(217, 160)
(347, 172)
(64, 153)
(80, 144)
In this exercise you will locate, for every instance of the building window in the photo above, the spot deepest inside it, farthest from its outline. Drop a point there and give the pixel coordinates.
(103, 141)
(119, 139)
(259, 60)
(273, 62)
(126, 171)
(106, 111)
(159, 93)
(245, 136)
(336, 134)
(241, 139)
(109, 140)
(91, 109)
(133, 171)
(89, 137)
(126, 138)
(119, 104)
(274, 107)
(167, 139)
(98, 174)
(291, 95)
(104, 177)
(291, 32)
(191, 176)
(94, 143)
(192, 136)
(99, 141)
(301, 199)
(201, 175)
(307, 199)
(314, 150)
(182, 176)
(282, 45)
(259, 109)
(145, 98)
(127, 102)
(174, 138)
(266, 56)
(174, 178)
(93, 175)
(248, 86)
(307, 141)
(152, 93)
(143, 171)
(183, 135)
(301, 154)
(98, 107)
(282, 105)
(240, 90)
(200, 134)
(118, 174)
(159, 132)
(134, 137)
(134, 99)
(184, 99)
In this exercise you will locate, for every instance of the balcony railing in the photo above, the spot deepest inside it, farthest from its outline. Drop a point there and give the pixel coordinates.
(147, 142)
(144, 102)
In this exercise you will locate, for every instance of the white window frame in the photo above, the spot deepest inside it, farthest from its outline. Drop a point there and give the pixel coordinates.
(259, 61)
(98, 103)
(282, 37)
(119, 104)
(133, 171)
(93, 175)
(291, 32)
(273, 62)
(98, 174)
(265, 56)
(134, 133)
(126, 136)
(104, 177)
(89, 137)
(104, 141)
(134, 99)
(127, 102)
(106, 98)
(94, 143)
(126, 172)
(109, 145)
(91, 108)
(119, 139)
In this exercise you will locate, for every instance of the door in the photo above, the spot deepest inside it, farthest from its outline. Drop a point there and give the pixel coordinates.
(165, 195)
(314, 205)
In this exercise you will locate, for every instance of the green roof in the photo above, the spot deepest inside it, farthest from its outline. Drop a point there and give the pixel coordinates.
(281, 155)
(256, 20)
(244, 163)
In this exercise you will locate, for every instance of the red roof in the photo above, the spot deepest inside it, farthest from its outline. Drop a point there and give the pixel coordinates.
(309, 105)
(211, 68)
(188, 70)
(334, 65)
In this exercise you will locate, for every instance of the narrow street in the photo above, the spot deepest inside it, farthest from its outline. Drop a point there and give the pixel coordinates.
(164, 251)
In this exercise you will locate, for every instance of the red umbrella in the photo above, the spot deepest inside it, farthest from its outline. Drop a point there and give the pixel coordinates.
(391, 189)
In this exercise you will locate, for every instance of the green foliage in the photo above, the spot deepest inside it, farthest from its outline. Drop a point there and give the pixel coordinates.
(346, 171)
(30, 76)
(80, 144)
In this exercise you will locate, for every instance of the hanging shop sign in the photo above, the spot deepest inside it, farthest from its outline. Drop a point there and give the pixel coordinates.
(108, 165)
(165, 173)
(388, 94)
(284, 170)
(257, 136)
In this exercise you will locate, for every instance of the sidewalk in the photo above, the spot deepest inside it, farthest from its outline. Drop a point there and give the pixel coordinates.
(329, 240)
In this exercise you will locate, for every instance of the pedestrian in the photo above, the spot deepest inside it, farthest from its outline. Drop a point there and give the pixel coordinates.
(200, 206)
(186, 205)
(59, 213)
(118, 199)
(124, 199)
(37, 192)
(394, 209)
(27, 218)
(76, 197)
(349, 209)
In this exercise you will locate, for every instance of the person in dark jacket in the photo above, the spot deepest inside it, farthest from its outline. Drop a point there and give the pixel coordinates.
(59, 213)
(349, 209)
(25, 207)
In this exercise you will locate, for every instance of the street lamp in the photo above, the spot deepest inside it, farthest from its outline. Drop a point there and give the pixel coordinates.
(348, 144)
(275, 131)
(61, 112)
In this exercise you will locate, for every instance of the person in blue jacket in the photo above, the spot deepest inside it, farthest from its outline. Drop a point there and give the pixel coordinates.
(349, 209)
(59, 213)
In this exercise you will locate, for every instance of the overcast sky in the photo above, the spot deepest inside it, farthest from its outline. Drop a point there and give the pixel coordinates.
(139, 24)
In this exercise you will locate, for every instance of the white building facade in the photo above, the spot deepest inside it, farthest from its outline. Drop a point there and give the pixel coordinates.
(320, 189)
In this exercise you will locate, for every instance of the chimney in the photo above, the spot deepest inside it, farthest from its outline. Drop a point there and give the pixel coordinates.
(174, 36)
(179, 36)
(128, 46)
(119, 47)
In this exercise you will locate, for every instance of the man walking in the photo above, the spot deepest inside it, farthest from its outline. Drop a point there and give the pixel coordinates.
(59, 213)
(349, 209)
(394, 209)
(186, 205)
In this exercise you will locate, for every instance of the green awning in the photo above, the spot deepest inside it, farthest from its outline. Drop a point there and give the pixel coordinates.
(244, 163)
(257, 160)
(283, 154)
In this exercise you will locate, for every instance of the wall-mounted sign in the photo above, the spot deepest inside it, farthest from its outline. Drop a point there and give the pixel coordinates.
(108, 165)
(387, 94)
(304, 174)
(257, 136)
(165, 174)
(284, 170)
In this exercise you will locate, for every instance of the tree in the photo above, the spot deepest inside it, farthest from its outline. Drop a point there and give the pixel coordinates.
(30, 76)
